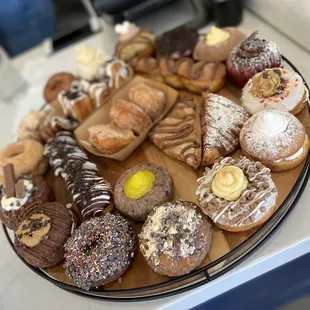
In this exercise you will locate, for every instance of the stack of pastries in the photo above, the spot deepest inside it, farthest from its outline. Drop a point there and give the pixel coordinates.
(128, 119)
(236, 190)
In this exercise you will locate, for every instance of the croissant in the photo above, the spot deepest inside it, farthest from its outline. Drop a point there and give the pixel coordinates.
(150, 100)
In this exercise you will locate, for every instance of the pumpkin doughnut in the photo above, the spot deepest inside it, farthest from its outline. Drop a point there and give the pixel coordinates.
(26, 156)
(57, 83)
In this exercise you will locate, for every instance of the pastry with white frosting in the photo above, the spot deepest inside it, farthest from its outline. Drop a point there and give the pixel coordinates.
(237, 194)
(217, 44)
(275, 88)
(276, 138)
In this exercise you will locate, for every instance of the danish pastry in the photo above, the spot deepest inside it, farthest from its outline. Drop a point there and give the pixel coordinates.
(222, 121)
(127, 115)
(150, 100)
(109, 139)
(237, 194)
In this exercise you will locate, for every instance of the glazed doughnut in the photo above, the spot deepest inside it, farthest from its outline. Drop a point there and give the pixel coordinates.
(275, 138)
(237, 194)
(175, 238)
(57, 83)
(99, 251)
(275, 89)
(26, 156)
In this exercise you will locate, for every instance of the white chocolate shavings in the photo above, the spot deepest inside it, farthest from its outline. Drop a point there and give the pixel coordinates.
(170, 230)
(257, 199)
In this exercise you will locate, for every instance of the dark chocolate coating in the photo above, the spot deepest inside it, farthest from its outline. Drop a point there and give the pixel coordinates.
(50, 251)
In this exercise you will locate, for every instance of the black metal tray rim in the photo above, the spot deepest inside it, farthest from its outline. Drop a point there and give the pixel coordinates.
(277, 217)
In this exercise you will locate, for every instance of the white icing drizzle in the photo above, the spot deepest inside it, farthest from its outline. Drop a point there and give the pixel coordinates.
(254, 202)
(67, 104)
(105, 72)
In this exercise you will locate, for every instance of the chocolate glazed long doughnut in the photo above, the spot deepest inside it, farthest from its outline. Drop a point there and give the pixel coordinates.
(90, 191)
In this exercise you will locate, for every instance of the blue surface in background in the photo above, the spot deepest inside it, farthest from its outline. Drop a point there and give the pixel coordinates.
(269, 291)
(25, 23)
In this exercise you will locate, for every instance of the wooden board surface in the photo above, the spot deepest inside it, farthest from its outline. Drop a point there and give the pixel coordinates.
(139, 274)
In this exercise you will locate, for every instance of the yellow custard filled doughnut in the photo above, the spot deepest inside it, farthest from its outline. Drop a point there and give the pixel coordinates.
(139, 184)
(237, 194)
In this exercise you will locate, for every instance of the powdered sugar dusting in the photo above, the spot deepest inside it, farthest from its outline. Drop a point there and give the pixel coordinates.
(222, 121)
(269, 148)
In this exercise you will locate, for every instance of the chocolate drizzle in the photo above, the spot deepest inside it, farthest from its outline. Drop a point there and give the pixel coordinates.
(89, 190)
(179, 135)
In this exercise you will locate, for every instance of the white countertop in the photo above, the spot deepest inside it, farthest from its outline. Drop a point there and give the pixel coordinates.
(20, 288)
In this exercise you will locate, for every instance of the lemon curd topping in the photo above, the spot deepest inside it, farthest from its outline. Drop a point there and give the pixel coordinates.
(139, 184)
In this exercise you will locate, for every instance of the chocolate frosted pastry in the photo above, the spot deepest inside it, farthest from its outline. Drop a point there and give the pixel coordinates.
(99, 251)
(237, 194)
(222, 121)
(175, 238)
(141, 188)
(75, 104)
(133, 41)
(177, 43)
(90, 191)
(251, 56)
(28, 191)
(179, 133)
(41, 236)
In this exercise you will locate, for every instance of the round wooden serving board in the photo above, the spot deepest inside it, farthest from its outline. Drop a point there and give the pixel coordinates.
(139, 274)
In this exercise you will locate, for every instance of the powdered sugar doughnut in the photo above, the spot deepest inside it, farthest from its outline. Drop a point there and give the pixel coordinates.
(254, 204)
(275, 88)
(275, 138)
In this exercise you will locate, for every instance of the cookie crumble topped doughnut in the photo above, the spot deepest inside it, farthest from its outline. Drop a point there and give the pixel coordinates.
(255, 204)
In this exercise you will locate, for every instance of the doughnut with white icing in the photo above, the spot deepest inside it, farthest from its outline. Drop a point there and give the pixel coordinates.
(237, 194)
(275, 88)
(275, 138)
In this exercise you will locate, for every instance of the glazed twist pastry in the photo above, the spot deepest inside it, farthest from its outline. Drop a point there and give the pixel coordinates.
(90, 191)
(184, 73)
